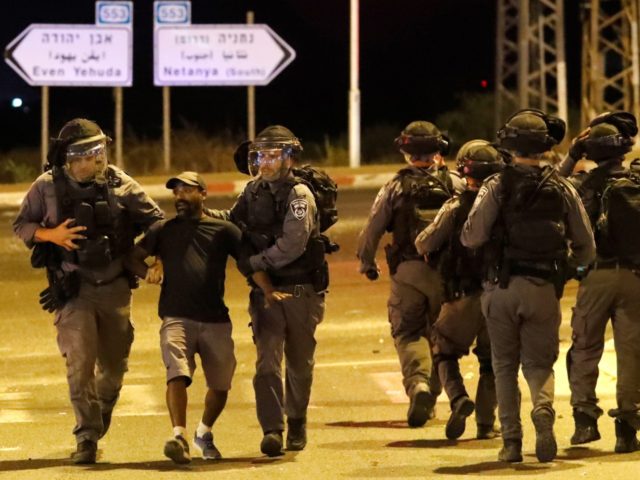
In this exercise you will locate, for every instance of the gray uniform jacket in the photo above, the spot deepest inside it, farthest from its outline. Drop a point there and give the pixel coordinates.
(39, 208)
(301, 220)
(438, 233)
(477, 229)
(384, 208)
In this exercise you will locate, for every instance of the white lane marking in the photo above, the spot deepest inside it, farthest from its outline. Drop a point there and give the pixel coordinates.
(13, 407)
(358, 363)
(14, 396)
(391, 384)
(16, 416)
(376, 326)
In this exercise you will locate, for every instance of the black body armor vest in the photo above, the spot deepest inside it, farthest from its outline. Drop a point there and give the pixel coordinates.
(109, 232)
(264, 221)
(533, 215)
(612, 201)
(422, 196)
(461, 268)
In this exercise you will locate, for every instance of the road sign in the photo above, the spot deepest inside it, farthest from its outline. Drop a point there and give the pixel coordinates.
(73, 55)
(171, 12)
(218, 55)
(114, 13)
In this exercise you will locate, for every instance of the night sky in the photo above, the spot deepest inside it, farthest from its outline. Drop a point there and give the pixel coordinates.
(416, 56)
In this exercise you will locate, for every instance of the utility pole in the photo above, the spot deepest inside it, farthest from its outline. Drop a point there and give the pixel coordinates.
(531, 67)
(610, 70)
(354, 89)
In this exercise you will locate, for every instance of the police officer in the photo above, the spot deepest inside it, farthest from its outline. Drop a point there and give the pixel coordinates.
(461, 321)
(80, 217)
(526, 216)
(277, 214)
(405, 206)
(611, 287)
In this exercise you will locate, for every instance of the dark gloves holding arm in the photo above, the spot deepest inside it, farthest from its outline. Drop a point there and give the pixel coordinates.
(577, 149)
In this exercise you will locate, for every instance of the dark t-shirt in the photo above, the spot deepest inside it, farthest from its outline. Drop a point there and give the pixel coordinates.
(194, 254)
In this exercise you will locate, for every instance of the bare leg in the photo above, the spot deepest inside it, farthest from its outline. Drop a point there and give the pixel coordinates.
(214, 402)
(177, 401)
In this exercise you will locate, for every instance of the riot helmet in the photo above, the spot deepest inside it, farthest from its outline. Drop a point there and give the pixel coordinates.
(272, 152)
(530, 132)
(479, 159)
(610, 136)
(83, 145)
(419, 139)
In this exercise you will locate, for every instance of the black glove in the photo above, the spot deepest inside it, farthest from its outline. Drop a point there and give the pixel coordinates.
(372, 274)
(49, 301)
(577, 150)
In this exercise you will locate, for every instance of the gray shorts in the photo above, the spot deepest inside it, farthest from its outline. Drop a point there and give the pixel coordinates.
(181, 339)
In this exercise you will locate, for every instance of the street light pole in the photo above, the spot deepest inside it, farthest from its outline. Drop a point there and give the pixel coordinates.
(354, 90)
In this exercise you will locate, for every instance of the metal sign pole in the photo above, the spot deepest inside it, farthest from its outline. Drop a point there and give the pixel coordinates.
(117, 93)
(44, 125)
(166, 127)
(251, 98)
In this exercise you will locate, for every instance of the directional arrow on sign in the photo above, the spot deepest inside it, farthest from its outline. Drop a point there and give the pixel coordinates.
(219, 55)
(72, 55)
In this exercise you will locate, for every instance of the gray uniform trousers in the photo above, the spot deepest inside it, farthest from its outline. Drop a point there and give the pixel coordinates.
(460, 323)
(523, 321)
(94, 336)
(604, 294)
(288, 329)
(414, 305)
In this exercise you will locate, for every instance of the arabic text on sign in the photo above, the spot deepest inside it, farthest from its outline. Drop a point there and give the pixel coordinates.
(196, 57)
(64, 57)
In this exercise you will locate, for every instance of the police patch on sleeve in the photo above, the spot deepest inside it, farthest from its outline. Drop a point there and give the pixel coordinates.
(299, 208)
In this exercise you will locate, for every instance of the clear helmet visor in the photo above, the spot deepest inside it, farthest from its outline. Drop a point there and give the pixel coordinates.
(87, 162)
(269, 161)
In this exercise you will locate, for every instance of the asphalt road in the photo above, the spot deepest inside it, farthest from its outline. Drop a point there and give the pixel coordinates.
(357, 416)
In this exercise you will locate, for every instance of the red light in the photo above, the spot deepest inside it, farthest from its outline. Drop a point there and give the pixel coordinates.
(484, 83)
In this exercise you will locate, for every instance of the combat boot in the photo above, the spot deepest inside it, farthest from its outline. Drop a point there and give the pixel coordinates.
(296, 433)
(271, 444)
(626, 440)
(546, 446)
(586, 428)
(511, 451)
(460, 410)
(86, 453)
(421, 405)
